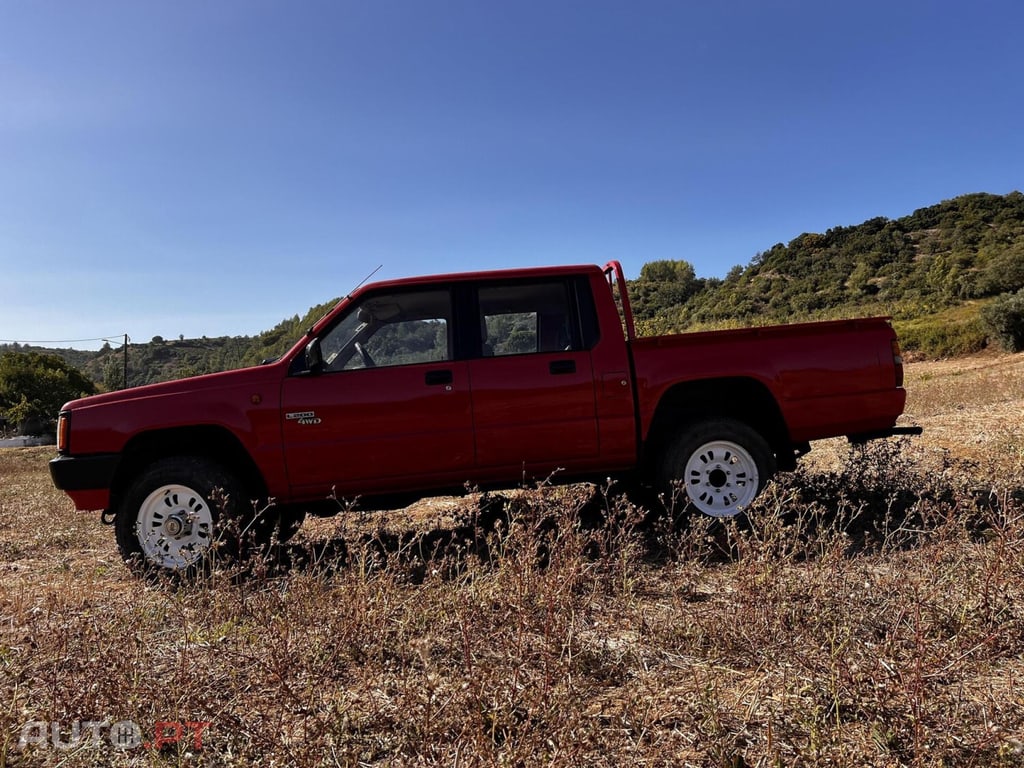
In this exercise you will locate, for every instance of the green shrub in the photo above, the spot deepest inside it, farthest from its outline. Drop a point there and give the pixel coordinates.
(1004, 317)
(960, 331)
(33, 387)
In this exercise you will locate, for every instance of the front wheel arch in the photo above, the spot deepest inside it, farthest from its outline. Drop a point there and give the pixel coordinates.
(209, 442)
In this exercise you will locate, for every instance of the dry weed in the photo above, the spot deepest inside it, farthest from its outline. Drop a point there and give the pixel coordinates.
(868, 612)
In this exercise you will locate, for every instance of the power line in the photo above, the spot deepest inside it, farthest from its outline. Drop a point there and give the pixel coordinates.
(111, 337)
(123, 337)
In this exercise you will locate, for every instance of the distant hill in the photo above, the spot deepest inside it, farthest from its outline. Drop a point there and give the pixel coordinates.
(166, 359)
(932, 271)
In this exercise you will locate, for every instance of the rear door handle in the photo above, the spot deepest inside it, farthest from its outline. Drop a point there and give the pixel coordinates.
(436, 378)
(559, 367)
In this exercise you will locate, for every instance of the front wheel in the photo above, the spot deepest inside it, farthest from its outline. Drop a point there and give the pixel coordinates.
(717, 467)
(168, 520)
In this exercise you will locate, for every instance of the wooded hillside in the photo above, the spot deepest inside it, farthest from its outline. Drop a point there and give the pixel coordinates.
(935, 271)
(165, 359)
(932, 270)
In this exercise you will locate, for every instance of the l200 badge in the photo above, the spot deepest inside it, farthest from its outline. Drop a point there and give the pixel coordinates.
(303, 417)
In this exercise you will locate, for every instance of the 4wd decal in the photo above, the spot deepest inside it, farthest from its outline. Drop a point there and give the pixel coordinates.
(303, 417)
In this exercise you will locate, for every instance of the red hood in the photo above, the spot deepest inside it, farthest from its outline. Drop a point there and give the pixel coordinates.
(255, 375)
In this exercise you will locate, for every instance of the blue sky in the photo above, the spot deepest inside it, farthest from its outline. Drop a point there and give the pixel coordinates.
(210, 168)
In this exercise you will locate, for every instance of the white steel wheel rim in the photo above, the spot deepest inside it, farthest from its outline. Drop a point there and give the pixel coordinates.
(174, 527)
(721, 478)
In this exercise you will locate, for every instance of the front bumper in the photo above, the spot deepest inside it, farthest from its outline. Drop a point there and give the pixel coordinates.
(86, 479)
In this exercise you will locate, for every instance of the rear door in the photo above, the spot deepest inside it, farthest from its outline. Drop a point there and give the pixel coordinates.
(534, 403)
(389, 409)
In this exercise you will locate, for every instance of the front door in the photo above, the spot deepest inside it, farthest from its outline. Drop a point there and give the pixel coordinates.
(389, 408)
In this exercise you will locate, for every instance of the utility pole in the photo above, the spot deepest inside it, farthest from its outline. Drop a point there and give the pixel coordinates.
(124, 382)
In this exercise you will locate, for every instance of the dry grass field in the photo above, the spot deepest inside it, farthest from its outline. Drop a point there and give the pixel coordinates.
(869, 613)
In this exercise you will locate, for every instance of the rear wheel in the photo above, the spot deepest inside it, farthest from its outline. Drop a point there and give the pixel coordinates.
(717, 467)
(169, 521)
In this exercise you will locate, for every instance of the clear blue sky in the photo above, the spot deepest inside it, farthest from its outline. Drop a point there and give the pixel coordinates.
(210, 168)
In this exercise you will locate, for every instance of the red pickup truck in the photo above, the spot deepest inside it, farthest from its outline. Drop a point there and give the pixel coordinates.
(426, 385)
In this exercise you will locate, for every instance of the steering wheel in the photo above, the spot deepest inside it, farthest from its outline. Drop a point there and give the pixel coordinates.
(364, 355)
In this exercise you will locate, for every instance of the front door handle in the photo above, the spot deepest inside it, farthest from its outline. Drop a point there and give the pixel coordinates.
(559, 367)
(437, 378)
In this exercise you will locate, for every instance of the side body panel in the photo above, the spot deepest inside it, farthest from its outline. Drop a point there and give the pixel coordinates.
(829, 378)
(378, 430)
(533, 412)
(243, 403)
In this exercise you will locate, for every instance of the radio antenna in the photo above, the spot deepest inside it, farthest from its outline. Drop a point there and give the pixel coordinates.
(360, 285)
(309, 331)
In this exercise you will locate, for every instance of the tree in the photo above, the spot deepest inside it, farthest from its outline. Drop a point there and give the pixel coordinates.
(1005, 318)
(1004, 271)
(34, 386)
(667, 271)
(662, 286)
(113, 374)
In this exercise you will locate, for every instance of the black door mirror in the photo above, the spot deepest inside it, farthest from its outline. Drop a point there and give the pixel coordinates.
(314, 357)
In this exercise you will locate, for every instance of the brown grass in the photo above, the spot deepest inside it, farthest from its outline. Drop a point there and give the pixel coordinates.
(870, 612)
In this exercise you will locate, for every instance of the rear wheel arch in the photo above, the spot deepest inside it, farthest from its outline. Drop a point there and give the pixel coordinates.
(744, 400)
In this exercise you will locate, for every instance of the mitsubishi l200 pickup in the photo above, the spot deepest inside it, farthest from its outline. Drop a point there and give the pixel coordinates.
(430, 385)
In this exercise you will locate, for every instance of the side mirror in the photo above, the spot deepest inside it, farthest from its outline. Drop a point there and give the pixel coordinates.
(314, 357)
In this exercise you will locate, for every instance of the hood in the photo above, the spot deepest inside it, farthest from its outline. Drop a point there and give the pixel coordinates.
(256, 375)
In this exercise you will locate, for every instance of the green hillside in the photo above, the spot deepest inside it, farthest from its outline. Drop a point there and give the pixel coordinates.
(935, 271)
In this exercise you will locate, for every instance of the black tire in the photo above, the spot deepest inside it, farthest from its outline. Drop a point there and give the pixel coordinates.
(171, 519)
(716, 467)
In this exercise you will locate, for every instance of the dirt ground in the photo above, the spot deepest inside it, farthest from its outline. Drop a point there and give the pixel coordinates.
(869, 612)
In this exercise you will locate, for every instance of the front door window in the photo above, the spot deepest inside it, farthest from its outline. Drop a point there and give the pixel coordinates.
(392, 329)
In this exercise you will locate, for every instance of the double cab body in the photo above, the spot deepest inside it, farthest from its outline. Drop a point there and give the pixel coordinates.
(430, 384)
